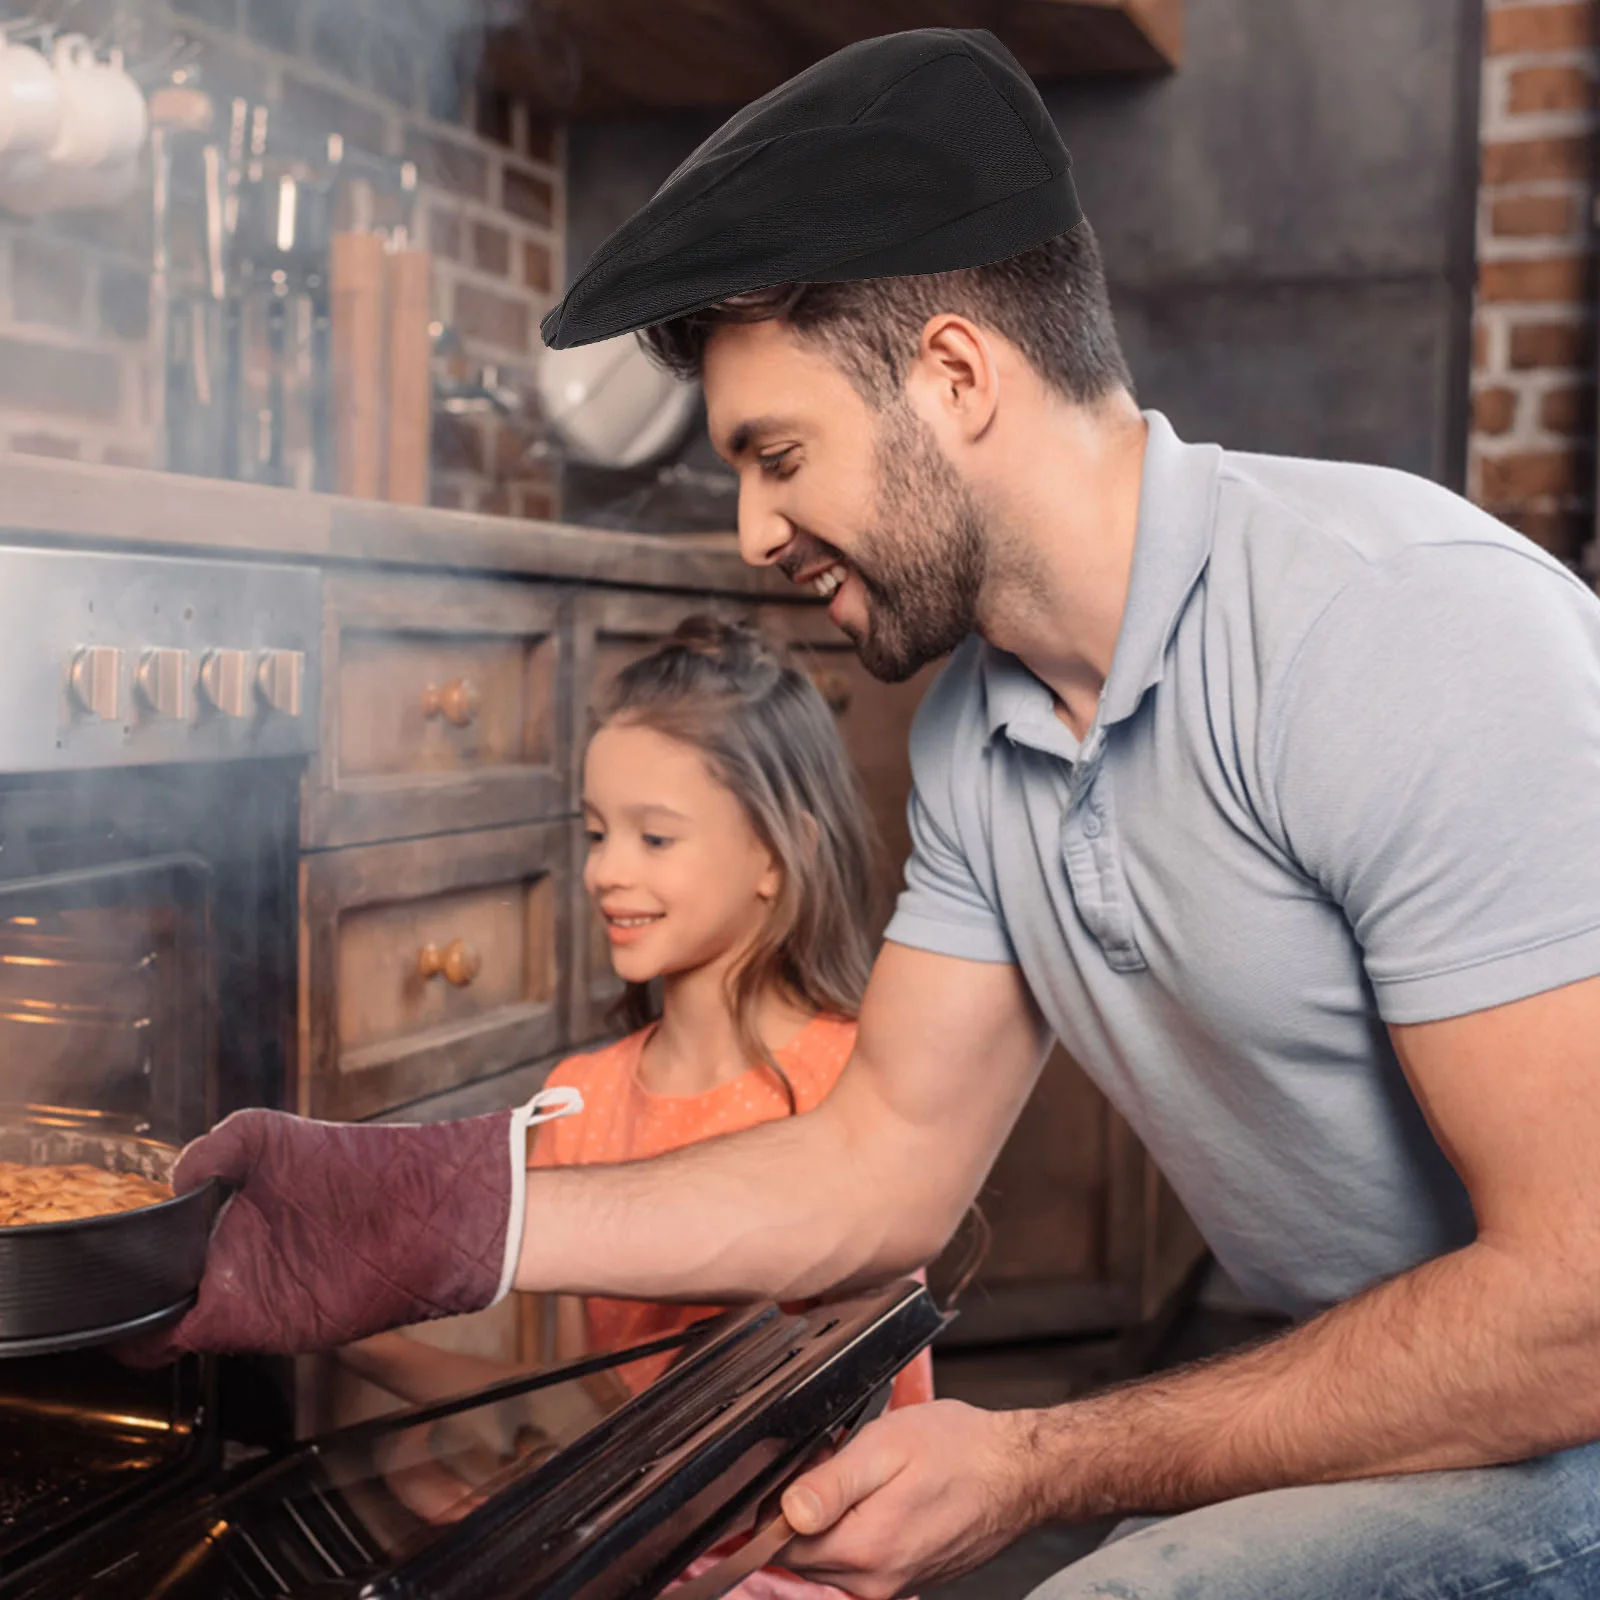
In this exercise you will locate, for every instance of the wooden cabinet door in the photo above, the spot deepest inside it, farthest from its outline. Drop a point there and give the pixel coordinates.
(442, 708)
(430, 963)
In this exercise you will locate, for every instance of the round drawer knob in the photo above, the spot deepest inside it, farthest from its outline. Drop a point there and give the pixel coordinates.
(456, 702)
(834, 687)
(458, 962)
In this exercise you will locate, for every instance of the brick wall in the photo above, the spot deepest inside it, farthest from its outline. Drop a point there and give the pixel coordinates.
(1532, 457)
(76, 364)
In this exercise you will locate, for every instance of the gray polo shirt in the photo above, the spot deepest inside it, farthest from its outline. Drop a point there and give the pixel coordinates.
(1345, 771)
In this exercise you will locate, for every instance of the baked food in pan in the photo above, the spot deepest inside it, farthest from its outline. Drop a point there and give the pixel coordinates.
(30, 1194)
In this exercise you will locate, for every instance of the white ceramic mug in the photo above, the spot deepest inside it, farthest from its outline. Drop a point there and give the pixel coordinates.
(127, 115)
(30, 101)
(84, 137)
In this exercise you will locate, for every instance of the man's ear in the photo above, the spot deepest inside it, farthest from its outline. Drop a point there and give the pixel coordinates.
(954, 383)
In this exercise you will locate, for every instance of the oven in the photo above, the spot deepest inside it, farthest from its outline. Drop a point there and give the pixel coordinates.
(154, 723)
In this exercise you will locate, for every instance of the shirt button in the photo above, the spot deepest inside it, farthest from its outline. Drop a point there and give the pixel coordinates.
(1092, 825)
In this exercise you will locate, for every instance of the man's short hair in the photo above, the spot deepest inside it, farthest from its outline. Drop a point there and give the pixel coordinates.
(1050, 302)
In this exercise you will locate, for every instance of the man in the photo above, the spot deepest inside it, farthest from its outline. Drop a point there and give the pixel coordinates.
(1264, 784)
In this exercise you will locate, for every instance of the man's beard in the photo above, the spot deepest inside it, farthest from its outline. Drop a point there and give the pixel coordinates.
(922, 563)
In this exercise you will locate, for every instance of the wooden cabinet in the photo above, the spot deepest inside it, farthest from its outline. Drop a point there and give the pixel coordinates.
(442, 708)
(427, 964)
(1086, 1235)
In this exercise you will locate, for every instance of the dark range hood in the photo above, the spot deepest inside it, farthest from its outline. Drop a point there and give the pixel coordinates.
(576, 58)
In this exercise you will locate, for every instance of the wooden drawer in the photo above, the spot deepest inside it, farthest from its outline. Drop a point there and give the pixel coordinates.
(428, 964)
(442, 708)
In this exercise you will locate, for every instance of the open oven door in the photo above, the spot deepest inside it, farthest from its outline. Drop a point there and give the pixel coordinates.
(553, 1486)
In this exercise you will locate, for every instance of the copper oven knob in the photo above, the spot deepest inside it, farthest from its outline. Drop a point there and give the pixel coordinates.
(165, 683)
(96, 678)
(225, 681)
(280, 678)
(457, 702)
(459, 962)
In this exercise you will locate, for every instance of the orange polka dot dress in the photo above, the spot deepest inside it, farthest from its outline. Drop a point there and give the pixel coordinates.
(624, 1121)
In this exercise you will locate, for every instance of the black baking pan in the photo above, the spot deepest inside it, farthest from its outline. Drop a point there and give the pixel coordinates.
(97, 1279)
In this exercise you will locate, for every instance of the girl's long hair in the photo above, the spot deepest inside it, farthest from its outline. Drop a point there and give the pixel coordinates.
(766, 733)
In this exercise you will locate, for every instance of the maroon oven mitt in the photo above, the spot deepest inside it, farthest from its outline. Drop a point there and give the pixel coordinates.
(340, 1230)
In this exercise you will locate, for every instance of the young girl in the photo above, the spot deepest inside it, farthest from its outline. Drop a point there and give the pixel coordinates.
(729, 860)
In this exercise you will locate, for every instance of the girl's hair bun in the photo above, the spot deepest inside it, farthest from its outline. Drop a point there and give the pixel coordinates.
(704, 656)
(735, 646)
(709, 635)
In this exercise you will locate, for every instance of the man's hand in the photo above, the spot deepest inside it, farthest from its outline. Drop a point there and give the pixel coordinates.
(917, 1497)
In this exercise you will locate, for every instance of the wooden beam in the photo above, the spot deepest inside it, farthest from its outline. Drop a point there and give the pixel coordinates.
(678, 54)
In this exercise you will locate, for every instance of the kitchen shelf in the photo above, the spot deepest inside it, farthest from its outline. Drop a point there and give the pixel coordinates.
(661, 54)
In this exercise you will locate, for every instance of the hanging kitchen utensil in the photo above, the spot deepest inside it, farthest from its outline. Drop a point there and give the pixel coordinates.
(187, 288)
(409, 424)
(356, 292)
(612, 406)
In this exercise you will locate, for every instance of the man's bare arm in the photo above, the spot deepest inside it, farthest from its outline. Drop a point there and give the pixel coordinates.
(1487, 1355)
(871, 1183)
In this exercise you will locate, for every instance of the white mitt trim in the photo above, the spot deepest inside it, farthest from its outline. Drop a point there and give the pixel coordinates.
(546, 1106)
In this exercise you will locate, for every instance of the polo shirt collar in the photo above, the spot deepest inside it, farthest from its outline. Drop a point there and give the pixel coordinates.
(1177, 511)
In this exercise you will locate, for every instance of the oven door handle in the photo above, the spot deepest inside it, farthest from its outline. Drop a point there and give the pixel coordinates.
(764, 1547)
(773, 1536)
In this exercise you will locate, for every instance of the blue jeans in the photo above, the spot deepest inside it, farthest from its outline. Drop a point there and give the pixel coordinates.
(1524, 1532)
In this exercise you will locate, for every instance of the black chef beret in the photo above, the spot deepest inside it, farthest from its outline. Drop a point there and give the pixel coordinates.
(917, 152)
